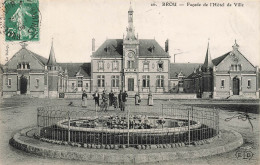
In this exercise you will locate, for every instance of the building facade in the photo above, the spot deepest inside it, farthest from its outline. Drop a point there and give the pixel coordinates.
(133, 65)
(228, 76)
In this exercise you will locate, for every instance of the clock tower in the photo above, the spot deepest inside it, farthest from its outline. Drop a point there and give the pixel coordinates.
(130, 57)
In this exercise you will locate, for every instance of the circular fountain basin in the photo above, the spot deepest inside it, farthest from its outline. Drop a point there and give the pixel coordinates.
(171, 125)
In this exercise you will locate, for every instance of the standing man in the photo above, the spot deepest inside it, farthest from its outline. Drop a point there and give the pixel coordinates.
(96, 98)
(111, 98)
(124, 96)
(104, 103)
(120, 99)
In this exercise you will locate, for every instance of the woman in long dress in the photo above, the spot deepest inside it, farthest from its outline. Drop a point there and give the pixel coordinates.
(84, 99)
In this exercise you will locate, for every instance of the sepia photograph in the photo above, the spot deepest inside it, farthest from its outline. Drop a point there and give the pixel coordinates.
(129, 82)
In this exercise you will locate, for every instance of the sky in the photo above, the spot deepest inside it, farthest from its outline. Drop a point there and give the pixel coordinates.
(73, 23)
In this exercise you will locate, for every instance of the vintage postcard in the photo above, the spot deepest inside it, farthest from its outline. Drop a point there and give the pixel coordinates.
(129, 82)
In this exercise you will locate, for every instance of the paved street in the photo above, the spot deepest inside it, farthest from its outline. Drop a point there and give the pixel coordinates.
(17, 113)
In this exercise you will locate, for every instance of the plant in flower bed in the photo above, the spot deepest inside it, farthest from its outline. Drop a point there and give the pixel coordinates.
(135, 122)
(161, 121)
(85, 123)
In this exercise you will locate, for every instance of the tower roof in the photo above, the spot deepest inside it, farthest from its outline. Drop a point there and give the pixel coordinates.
(52, 59)
(208, 61)
(130, 29)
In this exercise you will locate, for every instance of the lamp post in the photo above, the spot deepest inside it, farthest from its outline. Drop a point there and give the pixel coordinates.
(138, 86)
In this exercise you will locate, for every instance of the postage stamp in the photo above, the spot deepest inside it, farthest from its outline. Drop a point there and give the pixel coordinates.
(21, 20)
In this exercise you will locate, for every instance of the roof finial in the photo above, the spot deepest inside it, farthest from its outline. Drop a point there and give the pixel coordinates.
(235, 46)
(130, 8)
(52, 41)
(23, 44)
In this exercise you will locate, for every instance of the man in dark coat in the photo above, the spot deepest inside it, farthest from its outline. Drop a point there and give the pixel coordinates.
(124, 96)
(96, 98)
(111, 97)
(120, 99)
(104, 101)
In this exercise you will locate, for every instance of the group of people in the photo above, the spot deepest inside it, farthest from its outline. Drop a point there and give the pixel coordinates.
(107, 100)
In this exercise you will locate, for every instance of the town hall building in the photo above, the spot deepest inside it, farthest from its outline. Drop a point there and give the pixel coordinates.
(133, 65)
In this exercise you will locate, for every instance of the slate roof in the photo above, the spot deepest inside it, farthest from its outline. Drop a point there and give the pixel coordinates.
(217, 60)
(40, 58)
(145, 49)
(74, 68)
(24, 51)
(185, 68)
(113, 48)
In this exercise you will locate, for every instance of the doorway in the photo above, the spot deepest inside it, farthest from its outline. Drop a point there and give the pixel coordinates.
(23, 84)
(236, 86)
(130, 84)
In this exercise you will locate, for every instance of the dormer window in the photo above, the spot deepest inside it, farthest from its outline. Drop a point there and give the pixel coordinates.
(160, 66)
(107, 49)
(151, 49)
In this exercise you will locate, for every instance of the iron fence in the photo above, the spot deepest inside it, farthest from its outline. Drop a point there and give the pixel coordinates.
(168, 125)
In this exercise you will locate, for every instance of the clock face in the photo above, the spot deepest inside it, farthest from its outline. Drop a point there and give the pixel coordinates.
(130, 54)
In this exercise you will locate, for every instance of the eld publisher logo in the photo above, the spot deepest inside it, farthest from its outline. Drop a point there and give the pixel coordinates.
(244, 154)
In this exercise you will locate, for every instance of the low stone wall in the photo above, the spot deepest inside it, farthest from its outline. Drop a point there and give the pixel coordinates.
(159, 96)
(229, 141)
(167, 96)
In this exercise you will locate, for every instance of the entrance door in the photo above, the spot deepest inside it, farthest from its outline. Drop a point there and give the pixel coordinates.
(235, 86)
(130, 84)
(23, 85)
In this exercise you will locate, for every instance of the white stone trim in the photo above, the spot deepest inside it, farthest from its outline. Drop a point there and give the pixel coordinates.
(248, 74)
(10, 73)
(222, 74)
(36, 73)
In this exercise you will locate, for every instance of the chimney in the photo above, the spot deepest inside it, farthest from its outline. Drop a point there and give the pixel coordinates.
(93, 44)
(167, 45)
